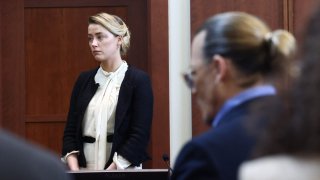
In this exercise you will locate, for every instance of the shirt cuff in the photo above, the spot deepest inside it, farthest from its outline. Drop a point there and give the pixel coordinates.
(64, 158)
(120, 161)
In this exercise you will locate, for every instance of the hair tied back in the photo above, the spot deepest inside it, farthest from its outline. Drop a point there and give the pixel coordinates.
(269, 41)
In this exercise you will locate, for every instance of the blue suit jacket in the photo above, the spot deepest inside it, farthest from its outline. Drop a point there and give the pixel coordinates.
(218, 153)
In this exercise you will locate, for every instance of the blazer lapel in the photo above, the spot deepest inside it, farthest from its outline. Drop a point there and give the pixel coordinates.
(124, 99)
(88, 92)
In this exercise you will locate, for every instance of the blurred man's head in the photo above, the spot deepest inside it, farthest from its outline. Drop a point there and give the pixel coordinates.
(232, 52)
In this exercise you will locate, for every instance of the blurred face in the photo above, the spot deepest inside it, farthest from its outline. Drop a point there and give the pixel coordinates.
(204, 79)
(103, 44)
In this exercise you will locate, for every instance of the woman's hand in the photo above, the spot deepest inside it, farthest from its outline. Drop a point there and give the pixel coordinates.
(112, 166)
(72, 162)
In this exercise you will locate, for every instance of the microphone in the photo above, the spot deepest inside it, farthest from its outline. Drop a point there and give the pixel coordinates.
(166, 159)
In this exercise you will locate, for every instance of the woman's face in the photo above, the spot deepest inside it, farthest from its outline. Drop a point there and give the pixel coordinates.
(103, 44)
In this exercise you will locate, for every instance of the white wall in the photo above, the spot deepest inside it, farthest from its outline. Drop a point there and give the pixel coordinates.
(179, 58)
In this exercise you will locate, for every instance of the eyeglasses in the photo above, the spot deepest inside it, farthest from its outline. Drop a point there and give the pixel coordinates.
(188, 77)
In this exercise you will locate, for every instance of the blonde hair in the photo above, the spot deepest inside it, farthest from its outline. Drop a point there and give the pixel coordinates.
(116, 26)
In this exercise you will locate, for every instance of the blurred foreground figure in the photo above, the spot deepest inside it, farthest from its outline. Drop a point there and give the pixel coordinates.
(19, 160)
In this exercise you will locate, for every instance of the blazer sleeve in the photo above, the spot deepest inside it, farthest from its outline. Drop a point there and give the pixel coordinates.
(135, 145)
(193, 162)
(69, 136)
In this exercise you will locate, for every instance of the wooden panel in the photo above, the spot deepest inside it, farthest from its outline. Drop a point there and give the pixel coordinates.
(78, 3)
(12, 66)
(142, 18)
(60, 28)
(300, 15)
(57, 50)
(47, 135)
(159, 65)
(272, 12)
(1, 105)
(136, 21)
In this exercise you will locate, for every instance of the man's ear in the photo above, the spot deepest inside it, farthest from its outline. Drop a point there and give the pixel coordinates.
(220, 66)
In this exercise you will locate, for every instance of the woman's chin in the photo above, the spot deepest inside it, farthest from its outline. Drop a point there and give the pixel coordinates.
(99, 59)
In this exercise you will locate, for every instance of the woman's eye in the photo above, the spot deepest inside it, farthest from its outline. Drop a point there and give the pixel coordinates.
(100, 37)
(90, 39)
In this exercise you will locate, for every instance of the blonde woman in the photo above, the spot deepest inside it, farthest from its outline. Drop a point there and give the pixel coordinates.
(109, 120)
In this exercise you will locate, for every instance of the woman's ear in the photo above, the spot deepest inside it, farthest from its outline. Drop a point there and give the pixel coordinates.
(120, 39)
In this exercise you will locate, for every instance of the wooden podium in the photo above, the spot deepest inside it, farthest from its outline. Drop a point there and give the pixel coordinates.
(143, 174)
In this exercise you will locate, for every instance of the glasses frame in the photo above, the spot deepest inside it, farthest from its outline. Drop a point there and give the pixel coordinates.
(188, 77)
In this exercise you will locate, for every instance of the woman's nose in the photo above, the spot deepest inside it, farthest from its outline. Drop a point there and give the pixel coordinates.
(94, 42)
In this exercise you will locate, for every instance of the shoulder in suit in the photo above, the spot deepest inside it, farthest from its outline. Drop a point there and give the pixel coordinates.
(218, 153)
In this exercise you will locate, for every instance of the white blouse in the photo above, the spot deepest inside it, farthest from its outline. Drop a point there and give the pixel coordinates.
(99, 117)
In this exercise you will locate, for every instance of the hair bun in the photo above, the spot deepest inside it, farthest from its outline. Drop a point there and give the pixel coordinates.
(280, 47)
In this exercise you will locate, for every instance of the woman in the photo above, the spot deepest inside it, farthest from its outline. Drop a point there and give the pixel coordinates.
(290, 149)
(234, 60)
(109, 120)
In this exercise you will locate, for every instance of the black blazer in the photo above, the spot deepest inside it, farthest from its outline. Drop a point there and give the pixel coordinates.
(132, 120)
(218, 153)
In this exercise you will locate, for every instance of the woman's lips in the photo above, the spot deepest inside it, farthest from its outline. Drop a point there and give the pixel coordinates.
(96, 52)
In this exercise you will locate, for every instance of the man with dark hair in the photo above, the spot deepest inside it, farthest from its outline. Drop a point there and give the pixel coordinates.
(234, 57)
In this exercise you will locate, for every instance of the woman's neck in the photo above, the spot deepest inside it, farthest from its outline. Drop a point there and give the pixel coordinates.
(111, 65)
